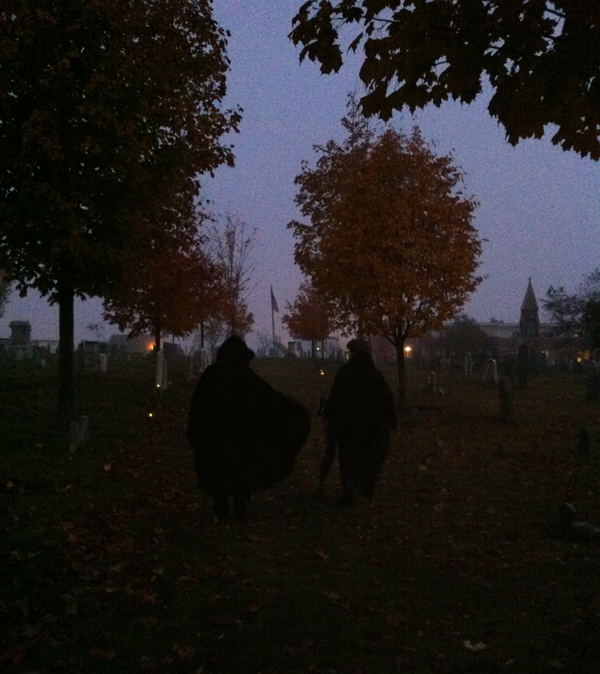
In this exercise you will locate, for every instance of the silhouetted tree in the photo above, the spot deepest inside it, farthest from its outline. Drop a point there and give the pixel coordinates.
(110, 114)
(463, 335)
(232, 246)
(541, 58)
(4, 291)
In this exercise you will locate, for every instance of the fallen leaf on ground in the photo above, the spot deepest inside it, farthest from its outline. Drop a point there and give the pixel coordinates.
(479, 646)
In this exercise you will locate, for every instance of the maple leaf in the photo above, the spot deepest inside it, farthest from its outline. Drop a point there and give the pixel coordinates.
(255, 607)
(147, 597)
(394, 619)
(184, 652)
(479, 646)
(187, 583)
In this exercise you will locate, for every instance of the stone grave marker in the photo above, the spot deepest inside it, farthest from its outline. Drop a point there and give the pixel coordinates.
(79, 433)
(161, 379)
(491, 371)
(592, 385)
(522, 366)
(468, 364)
(507, 412)
(585, 443)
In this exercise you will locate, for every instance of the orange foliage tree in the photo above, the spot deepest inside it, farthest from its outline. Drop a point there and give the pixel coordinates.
(169, 291)
(308, 316)
(388, 239)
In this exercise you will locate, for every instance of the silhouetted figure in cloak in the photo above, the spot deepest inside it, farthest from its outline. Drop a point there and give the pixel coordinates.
(360, 417)
(245, 435)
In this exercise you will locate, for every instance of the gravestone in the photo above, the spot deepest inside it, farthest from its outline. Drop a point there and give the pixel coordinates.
(585, 443)
(468, 364)
(592, 385)
(491, 371)
(507, 413)
(431, 383)
(80, 433)
(522, 366)
(20, 333)
(161, 379)
(102, 362)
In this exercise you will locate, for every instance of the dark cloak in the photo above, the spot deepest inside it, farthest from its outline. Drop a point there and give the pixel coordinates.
(245, 434)
(360, 417)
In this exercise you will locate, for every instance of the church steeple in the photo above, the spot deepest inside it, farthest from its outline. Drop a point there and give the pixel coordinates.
(530, 321)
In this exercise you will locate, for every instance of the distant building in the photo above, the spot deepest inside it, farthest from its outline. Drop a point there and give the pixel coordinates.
(508, 337)
(323, 348)
(139, 344)
(20, 333)
(529, 325)
(20, 345)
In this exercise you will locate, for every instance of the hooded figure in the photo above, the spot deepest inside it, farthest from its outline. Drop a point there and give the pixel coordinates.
(360, 417)
(245, 435)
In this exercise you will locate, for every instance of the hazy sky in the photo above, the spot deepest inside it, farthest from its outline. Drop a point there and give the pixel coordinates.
(539, 206)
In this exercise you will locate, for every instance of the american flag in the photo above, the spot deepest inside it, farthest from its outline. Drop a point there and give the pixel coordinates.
(274, 306)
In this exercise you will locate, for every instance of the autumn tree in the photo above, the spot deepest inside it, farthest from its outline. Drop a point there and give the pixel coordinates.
(110, 114)
(308, 316)
(388, 240)
(167, 292)
(542, 58)
(232, 243)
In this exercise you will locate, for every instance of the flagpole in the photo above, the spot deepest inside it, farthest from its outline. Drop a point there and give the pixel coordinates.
(273, 318)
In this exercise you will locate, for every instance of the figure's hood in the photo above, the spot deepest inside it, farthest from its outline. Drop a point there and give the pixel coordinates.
(234, 351)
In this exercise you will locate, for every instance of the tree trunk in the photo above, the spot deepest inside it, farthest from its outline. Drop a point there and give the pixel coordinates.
(402, 378)
(66, 348)
(157, 338)
(313, 344)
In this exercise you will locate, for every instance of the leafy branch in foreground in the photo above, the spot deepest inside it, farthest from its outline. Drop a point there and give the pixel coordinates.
(542, 59)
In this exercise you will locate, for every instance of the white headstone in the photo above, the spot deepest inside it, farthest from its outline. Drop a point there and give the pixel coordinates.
(161, 371)
(103, 362)
(491, 371)
(80, 433)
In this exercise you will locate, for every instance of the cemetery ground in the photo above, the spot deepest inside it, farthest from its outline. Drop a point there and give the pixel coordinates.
(110, 560)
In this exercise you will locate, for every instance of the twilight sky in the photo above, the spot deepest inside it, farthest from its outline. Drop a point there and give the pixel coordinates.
(539, 206)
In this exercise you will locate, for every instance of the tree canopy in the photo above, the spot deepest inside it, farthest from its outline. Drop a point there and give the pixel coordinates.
(308, 316)
(389, 242)
(463, 335)
(576, 315)
(170, 291)
(4, 292)
(109, 114)
(542, 58)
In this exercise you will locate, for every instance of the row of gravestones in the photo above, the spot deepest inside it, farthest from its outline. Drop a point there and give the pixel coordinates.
(506, 386)
(79, 429)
